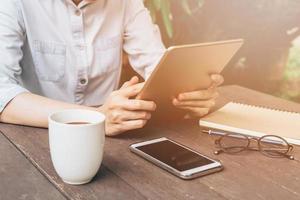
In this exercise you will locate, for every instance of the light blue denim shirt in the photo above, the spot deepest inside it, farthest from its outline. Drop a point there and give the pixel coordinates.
(73, 53)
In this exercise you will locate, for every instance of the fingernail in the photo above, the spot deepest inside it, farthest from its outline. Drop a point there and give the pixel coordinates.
(154, 106)
(134, 78)
(175, 101)
(180, 97)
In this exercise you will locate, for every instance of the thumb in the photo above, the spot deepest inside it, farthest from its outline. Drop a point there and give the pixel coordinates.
(132, 90)
(134, 80)
(217, 80)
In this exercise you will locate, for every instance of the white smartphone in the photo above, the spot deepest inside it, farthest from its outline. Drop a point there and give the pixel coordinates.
(176, 158)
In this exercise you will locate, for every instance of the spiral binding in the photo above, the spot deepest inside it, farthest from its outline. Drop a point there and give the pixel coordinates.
(266, 108)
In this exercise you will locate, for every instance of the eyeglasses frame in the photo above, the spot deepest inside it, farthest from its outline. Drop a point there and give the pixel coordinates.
(247, 147)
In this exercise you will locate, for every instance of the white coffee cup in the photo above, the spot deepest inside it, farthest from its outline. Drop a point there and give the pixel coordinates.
(76, 149)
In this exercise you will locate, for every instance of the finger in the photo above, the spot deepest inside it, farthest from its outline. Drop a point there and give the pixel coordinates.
(132, 124)
(132, 90)
(120, 116)
(126, 84)
(134, 80)
(134, 105)
(197, 112)
(198, 95)
(203, 104)
(114, 129)
(130, 115)
(217, 80)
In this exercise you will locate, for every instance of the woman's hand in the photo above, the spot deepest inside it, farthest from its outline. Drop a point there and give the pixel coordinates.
(198, 103)
(123, 113)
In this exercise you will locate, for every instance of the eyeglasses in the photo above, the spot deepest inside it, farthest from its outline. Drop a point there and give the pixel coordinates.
(269, 145)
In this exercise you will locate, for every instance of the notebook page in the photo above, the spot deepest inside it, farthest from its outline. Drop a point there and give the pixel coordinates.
(256, 121)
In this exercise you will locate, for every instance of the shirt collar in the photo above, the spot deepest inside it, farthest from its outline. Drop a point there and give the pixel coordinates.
(81, 4)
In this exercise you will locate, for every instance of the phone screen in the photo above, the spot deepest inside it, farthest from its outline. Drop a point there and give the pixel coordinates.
(174, 155)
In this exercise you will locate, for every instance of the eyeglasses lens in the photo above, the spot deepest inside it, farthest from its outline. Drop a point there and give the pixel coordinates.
(232, 143)
(273, 146)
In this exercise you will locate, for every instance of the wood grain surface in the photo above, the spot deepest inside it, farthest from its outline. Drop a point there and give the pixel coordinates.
(19, 179)
(123, 175)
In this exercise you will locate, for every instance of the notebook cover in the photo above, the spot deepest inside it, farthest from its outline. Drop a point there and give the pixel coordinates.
(255, 121)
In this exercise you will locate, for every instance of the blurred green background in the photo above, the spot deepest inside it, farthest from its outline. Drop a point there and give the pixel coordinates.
(270, 58)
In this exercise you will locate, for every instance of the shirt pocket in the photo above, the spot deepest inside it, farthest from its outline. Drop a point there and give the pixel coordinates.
(49, 60)
(108, 54)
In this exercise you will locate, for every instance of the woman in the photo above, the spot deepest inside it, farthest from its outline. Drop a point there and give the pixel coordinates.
(66, 54)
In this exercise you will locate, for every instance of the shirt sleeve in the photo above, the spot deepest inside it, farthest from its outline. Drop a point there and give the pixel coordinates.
(142, 39)
(12, 37)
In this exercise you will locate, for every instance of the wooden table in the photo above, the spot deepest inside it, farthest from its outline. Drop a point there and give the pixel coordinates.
(26, 171)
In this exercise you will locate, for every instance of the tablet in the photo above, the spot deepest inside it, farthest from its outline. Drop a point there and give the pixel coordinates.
(186, 68)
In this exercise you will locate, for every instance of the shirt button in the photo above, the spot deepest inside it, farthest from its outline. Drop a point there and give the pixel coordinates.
(83, 81)
(77, 12)
(77, 34)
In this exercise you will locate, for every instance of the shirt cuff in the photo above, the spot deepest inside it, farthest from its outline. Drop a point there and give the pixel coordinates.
(10, 95)
(149, 70)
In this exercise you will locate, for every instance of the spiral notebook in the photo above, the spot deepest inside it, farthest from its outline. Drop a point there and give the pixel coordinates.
(254, 121)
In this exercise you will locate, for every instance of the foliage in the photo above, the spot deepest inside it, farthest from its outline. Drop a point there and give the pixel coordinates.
(292, 70)
(163, 8)
(290, 87)
(262, 24)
